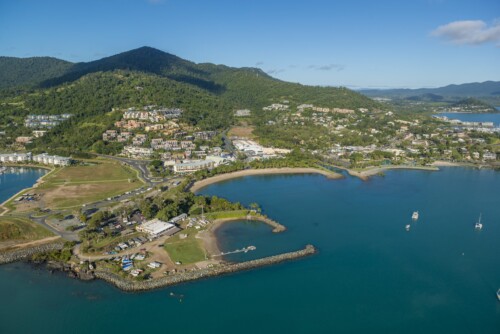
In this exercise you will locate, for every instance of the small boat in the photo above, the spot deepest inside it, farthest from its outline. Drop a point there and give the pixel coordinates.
(414, 216)
(478, 225)
(407, 227)
(498, 294)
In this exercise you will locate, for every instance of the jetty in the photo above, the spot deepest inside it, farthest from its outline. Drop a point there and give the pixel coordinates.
(243, 250)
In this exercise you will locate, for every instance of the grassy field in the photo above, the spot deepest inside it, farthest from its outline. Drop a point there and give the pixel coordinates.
(241, 131)
(186, 250)
(77, 185)
(17, 228)
(227, 214)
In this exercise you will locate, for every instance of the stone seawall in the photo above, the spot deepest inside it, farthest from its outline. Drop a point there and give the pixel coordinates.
(27, 253)
(277, 227)
(128, 285)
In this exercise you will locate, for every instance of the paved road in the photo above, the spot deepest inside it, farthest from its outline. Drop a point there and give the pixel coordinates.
(139, 165)
(67, 235)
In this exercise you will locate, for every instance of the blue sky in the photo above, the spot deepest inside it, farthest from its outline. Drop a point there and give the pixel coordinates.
(353, 43)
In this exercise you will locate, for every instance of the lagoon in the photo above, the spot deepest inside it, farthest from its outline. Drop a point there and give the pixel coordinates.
(370, 275)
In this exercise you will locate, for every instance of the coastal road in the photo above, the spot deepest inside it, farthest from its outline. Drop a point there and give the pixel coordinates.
(140, 165)
(67, 235)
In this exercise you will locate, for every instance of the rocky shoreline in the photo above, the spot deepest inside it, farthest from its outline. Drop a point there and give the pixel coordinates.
(27, 253)
(224, 269)
(125, 284)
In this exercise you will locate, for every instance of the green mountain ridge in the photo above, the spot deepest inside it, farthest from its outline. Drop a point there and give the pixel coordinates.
(30, 71)
(208, 93)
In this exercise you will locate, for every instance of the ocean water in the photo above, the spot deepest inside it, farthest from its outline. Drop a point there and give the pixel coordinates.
(16, 179)
(370, 275)
(470, 117)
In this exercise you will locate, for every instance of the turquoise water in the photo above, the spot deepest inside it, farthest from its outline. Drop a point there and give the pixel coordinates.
(494, 117)
(370, 275)
(16, 179)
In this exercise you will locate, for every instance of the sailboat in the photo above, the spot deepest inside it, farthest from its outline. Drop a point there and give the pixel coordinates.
(414, 216)
(478, 225)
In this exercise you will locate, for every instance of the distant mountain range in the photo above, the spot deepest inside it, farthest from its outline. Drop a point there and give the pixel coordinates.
(488, 91)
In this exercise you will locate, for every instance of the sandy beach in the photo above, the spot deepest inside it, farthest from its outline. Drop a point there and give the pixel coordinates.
(440, 163)
(210, 240)
(265, 171)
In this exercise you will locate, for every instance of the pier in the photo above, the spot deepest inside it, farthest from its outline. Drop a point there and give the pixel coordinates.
(243, 250)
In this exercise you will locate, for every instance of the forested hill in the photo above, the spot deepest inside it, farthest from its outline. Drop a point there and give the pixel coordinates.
(242, 87)
(207, 93)
(30, 71)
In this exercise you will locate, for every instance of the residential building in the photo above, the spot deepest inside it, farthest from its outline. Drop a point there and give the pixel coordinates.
(193, 166)
(15, 157)
(54, 160)
(242, 113)
(141, 152)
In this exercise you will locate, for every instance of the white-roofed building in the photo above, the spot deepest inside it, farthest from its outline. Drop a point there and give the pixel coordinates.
(156, 227)
(15, 157)
(56, 160)
(193, 166)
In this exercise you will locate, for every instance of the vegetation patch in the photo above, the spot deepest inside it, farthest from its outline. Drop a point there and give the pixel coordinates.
(17, 228)
(185, 251)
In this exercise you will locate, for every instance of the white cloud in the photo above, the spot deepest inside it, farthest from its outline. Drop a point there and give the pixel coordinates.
(329, 67)
(469, 32)
(275, 71)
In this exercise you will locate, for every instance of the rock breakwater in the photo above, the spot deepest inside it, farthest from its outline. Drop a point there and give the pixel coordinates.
(27, 253)
(128, 285)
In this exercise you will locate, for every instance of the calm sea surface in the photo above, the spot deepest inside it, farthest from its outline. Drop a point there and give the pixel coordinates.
(370, 275)
(16, 179)
(470, 117)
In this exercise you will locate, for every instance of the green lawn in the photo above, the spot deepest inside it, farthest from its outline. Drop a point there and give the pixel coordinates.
(186, 250)
(97, 170)
(17, 228)
(227, 214)
(77, 185)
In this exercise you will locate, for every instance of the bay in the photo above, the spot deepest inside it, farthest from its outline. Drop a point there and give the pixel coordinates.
(370, 274)
(473, 117)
